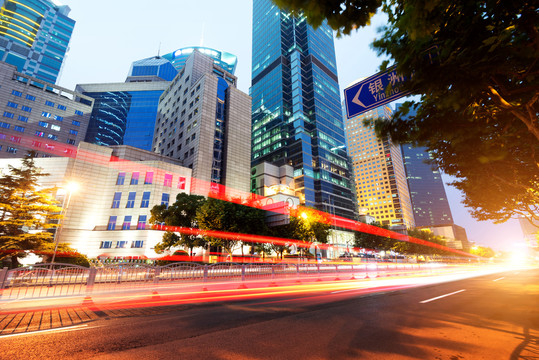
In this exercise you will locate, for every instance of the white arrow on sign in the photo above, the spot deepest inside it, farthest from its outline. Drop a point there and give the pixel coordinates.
(355, 100)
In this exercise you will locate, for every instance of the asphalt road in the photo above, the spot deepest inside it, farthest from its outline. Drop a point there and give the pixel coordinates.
(488, 317)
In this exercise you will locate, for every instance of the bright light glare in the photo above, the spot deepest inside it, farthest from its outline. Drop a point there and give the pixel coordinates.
(72, 186)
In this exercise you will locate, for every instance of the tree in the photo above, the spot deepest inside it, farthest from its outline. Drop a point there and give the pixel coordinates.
(483, 251)
(182, 213)
(371, 241)
(476, 72)
(24, 206)
(309, 226)
(232, 217)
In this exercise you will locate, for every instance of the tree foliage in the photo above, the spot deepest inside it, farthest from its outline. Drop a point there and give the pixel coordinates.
(232, 217)
(371, 241)
(182, 213)
(483, 251)
(25, 211)
(474, 66)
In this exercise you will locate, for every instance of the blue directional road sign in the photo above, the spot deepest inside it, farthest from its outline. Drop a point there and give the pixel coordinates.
(373, 92)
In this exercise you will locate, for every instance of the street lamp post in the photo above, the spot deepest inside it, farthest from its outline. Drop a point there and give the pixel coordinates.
(69, 189)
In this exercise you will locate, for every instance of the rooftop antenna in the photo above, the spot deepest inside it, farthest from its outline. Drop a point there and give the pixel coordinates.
(202, 36)
(159, 49)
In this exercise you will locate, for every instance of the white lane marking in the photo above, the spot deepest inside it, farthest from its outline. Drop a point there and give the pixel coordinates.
(65, 329)
(503, 277)
(442, 296)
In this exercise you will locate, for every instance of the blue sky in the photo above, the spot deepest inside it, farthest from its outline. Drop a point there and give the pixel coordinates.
(110, 34)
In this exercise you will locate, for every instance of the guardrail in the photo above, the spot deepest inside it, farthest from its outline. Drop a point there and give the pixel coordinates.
(45, 280)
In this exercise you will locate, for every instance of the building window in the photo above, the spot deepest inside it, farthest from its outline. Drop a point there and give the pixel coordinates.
(181, 183)
(55, 127)
(11, 150)
(145, 200)
(134, 178)
(22, 118)
(18, 128)
(15, 139)
(121, 178)
(137, 244)
(78, 112)
(26, 108)
(30, 97)
(141, 225)
(61, 107)
(43, 124)
(40, 133)
(116, 201)
(168, 180)
(49, 103)
(131, 200)
(5, 125)
(127, 222)
(75, 122)
(121, 244)
(58, 118)
(149, 178)
(52, 137)
(46, 114)
(9, 115)
(105, 245)
(165, 198)
(73, 132)
(16, 93)
(112, 223)
(71, 141)
(12, 104)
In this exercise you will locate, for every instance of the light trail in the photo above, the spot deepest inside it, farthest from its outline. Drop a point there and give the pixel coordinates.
(503, 277)
(218, 191)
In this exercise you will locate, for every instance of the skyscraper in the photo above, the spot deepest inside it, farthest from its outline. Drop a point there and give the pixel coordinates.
(203, 121)
(381, 186)
(296, 113)
(34, 36)
(125, 113)
(427, 191)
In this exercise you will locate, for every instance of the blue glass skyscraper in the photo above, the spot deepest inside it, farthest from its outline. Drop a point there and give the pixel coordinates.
(427, 192)
(296, 111)
(34, 36)
(125, 113)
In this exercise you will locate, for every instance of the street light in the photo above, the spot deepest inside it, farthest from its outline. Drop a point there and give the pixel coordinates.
(69, 188)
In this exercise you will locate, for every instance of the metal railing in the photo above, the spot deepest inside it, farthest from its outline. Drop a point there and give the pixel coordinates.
(46, 280)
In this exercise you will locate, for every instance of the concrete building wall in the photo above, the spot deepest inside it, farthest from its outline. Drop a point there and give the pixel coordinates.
(88, 210)
(35, 115)
(186, 126)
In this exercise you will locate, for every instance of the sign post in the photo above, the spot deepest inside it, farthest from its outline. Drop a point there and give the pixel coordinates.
(373, 92)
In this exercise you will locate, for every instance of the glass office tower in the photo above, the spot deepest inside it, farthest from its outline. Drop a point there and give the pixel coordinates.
(429, 199)
(125, 113)
(296, 112)
(34, 36)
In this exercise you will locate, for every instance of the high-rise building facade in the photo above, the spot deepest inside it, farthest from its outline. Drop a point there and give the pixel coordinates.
(125, 113)
(381, 186)
(34, 36)
(36, 115)
(427, 191)
(296, 113)
(204, 121)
